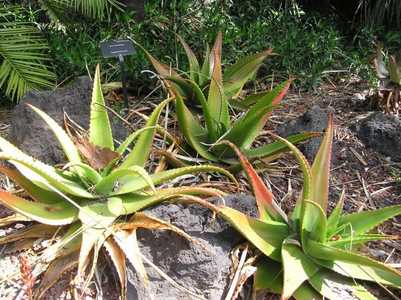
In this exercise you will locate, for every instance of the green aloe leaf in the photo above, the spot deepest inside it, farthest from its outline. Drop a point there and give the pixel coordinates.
(194, 68)
(212, 130)
(353, 265)
(236, 75)
(278, 147)
(137, 183)
(348, 242)
(87, 173)
(334, 218)
(321, 168)
(267, 236)
(269, 275)
(364, 221)
(51, 214)
(108, 183)
(192, 130)
(297, 267)
(247, 128)
(206, 69)
(65, 141)
(217, 101)
(139, 155)
(306, 191)
(333, 286)
(45, 174)
(34, 191)
(135, 202)
(99, 128)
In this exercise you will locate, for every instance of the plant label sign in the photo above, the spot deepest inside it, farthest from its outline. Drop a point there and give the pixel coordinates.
(117, 48)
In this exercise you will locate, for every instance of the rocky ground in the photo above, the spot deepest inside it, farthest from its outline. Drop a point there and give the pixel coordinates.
(366, 164)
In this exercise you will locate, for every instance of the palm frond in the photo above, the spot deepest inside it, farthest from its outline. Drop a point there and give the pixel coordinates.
(96, 9)
(23, 58)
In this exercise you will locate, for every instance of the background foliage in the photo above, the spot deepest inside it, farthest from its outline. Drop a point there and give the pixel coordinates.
(313, 39)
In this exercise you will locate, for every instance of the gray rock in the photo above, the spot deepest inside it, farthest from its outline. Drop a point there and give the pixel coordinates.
(32, 135)
(382, 133)
(315, 119)
(203, 269)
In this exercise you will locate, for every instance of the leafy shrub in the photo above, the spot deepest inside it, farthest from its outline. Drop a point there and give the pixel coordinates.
(94, 201)
(209, 87)
(308, 254)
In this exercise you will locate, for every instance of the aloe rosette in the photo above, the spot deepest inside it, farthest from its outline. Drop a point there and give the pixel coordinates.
(215, 91)
(91, 203)
(309, 255)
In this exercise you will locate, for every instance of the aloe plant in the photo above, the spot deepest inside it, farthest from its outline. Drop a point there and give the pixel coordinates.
(389, 82)
(308, 255)
(94, 201)
(215, 100)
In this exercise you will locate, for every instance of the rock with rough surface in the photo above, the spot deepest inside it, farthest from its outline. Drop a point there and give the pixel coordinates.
(315, 119)
(203, 269)
(382, 133)
(32, 135)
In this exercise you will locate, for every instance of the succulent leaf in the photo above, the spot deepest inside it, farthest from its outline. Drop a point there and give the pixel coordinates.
(99, 129)
(57, 214)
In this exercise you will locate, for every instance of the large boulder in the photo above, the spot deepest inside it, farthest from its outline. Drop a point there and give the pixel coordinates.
(202, 268)
(315, 119)
(382, 133)
(32, 135)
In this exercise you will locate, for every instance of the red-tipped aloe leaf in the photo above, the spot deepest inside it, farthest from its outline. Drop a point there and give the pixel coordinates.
(236, 75)
(321, 168)
(99, 128)
(51, 214)
(217, 101)
(247, 128)
(268, 208)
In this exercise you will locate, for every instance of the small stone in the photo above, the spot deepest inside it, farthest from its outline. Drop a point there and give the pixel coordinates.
(314, 119)
(32, 135)
(203, 269)
(382, 133)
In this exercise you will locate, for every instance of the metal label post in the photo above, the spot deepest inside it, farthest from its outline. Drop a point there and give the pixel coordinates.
(119, 48)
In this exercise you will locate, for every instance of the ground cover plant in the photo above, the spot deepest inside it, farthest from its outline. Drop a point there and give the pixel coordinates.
(214, 91)
(309, 255)
(95, 199)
